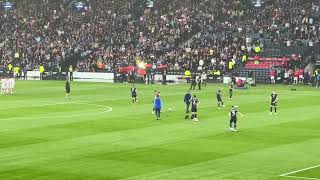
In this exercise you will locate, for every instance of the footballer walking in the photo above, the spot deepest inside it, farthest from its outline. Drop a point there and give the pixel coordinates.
(134, 94)
(219, 98)
(274, 102)
(194, 108)
(187, 99)
(68, 89)
(230, 91)
(157, 106)
(233, 119)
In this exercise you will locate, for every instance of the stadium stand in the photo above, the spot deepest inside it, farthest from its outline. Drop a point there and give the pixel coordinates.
(103, 35)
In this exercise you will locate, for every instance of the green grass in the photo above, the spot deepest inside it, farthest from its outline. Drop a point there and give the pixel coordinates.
(44, 136)
(310, 173)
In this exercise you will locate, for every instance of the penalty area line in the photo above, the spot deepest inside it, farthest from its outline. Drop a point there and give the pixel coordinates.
(107, 109)
(289, 174)
(300, 177)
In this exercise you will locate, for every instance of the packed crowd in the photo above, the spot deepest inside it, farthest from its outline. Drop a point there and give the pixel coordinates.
(186, 34)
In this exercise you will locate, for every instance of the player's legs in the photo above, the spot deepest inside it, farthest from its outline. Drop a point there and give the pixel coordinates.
(158, 114)
(231, 125)
(188, 105)
(67, 94)
(195, 116)
(235, 125)
(204, 83)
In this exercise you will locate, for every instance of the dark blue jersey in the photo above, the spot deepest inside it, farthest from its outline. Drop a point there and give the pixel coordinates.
(133, 91)
(187, 98)
(219, 94)
(67, 85)
(233, 113)
(274, 98)
(231, 88)
(194, 102)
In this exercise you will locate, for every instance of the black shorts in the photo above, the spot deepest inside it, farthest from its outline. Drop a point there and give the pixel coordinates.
(194, 109)
(274, 104)
(133, 95)
(67, 90)
(219, 99)
(233, 120)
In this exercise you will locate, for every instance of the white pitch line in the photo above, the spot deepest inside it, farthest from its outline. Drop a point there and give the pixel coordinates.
(297, 177)
(293, 172)
(40, 105)
(108, 109)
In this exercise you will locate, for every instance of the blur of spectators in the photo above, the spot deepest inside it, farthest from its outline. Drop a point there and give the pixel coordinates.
(198, 35)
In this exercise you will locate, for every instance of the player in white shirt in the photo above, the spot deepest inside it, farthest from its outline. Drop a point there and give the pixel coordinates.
(7, 85)
(11, 85)
(3, 88)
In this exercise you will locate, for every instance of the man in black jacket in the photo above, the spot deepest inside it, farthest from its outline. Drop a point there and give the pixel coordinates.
(187, 98)
(193, 81)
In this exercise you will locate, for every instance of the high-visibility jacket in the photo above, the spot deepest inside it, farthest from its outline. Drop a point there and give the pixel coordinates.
(217, 73)
(10, 67)
(16, 70)
(187, 74)
(257, 49)
(231, 64)
(70, 69)
(244, 58)
(41, 69)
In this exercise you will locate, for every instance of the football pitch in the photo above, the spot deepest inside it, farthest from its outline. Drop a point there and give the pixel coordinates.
(100, 134)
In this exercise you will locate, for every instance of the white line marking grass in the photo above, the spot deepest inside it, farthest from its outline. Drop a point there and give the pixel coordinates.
(106, 110)
(289, 174)
(298, 177)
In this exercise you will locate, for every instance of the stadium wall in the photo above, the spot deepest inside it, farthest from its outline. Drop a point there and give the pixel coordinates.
(77, 76)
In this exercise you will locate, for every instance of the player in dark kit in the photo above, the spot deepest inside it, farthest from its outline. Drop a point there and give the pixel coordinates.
(230, 90)
(199, 80)
(186, 100)
(233, 119)
(68, 89)
(219, 98)
(274, 101)
(194, 107)
(193, 81)
(134, 95)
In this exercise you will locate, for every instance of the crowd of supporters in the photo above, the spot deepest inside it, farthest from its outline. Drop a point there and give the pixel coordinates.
(197, 35)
